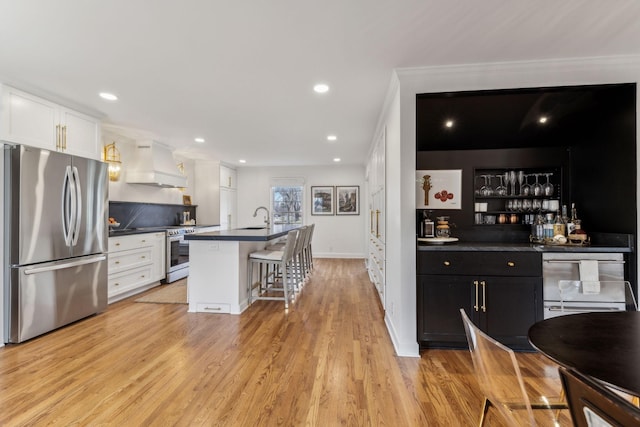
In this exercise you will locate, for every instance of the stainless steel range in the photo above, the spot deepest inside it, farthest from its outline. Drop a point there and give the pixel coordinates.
(177, 253)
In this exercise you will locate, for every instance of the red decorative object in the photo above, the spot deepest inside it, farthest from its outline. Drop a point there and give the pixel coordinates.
(444, 195)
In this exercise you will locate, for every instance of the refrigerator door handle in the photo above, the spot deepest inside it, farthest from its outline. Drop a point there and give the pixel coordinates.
(78, 210)
(67, 209)
(92, 260)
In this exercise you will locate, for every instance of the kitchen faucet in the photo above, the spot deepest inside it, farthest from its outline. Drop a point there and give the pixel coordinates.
(267, 219)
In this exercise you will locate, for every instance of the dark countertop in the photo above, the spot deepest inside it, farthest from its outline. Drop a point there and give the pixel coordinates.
(129, 231)
(249, 234)
(517, 247)
(600, 242)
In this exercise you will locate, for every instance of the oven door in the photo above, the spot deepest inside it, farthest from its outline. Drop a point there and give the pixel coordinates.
(177, 258)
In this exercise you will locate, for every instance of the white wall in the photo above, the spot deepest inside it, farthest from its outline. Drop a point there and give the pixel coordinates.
(2, 262)
(122, 192)
(401, 159)
(341, 236)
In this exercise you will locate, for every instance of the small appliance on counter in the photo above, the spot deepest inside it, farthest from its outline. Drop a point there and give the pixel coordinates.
(442, 232)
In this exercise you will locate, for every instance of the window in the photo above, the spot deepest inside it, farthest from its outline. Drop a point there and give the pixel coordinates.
(286, 203)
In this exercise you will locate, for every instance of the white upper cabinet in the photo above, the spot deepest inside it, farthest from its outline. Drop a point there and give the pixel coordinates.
(228, 177)
(31, 120)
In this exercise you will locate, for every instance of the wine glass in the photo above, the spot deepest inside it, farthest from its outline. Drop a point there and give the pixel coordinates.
(537, 188)
(547, 188)
(486, 189)
(521, 180)
(501, 190)
(525, 189)
(512, 180)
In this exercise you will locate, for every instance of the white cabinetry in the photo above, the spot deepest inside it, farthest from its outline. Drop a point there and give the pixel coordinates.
(376, 262)
(31, 120)
(215, 194)
(228, 204)
(136, 263)
(228, 177)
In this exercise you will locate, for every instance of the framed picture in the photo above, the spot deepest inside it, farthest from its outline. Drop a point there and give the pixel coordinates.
(186, 200)
(322, 200)
(348, 198)
(439, 189)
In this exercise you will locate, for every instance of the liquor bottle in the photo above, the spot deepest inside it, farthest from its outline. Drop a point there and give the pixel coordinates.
(565, 219)
(548, 227)
(571, 224)
(558, 226)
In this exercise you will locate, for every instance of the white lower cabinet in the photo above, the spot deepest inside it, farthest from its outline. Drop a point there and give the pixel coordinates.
(136, 263)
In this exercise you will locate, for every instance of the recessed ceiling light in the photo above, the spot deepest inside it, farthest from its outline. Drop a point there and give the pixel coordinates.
(337, 159)
(242, 161)
(198, 139)
(108, 96)
(449, 123)
(543, 119)
(321, 88)
(332, 138)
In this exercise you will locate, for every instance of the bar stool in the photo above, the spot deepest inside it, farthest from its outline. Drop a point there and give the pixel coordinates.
(274, 260)
(307, 249)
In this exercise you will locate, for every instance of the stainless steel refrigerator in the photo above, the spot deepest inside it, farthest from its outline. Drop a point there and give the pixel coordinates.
(56, 208)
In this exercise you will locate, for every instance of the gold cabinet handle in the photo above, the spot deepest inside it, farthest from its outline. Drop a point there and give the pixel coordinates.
(447, 263)
(57, 137)
(117, 262)
(143, 257)
(484, 296)
(213, 308)
(475, 307)
(377, 223)
(511, 264)
(117, 244)
(229, 182)
(64, 138)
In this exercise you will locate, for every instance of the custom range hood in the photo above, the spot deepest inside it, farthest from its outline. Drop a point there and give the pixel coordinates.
(153, 164)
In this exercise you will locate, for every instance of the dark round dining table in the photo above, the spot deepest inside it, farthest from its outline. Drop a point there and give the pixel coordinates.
(603, 345)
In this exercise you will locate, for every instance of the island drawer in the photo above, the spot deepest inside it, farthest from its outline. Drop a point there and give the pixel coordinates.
(203, 307)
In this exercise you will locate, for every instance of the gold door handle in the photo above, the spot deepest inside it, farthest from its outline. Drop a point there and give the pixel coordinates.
(64, 138)
(484, 296)
(475, 307)
(377, 223)
(371, 221)
(511, 264)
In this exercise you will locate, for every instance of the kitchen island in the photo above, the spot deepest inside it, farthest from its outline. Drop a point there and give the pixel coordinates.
(218, 260)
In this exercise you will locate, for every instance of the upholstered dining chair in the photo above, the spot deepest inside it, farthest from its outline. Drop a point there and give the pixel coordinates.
(500, 380)
(593, 405)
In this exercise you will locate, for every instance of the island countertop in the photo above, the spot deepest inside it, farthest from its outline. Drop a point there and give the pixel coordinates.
(246, 234)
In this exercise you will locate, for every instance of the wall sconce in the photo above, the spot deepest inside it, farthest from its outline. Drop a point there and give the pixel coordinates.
(181, 170)
(112, 157)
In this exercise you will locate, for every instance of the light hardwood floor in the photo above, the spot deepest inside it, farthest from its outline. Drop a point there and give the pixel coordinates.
(328, 361)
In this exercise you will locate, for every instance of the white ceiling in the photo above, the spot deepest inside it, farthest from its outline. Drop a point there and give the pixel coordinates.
(240, 73)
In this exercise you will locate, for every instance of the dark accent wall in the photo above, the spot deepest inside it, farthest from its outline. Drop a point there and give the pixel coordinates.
(591, 135)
